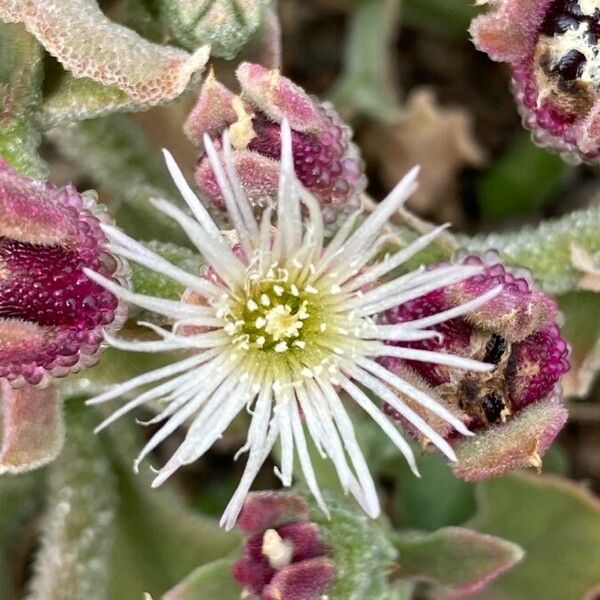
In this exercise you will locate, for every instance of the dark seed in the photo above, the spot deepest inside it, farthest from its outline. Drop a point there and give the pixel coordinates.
(571, 65)
(495, 349)
(493, 404)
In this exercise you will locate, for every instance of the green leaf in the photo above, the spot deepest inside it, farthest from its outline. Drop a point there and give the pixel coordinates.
(73, 99)
(546, 249)
(21, 74)
(156, 525)
(442, 17)
(89, 45)
(224, 24)
(582, 330)
(520, 181)
(80, 523)
(156, 284)
(411, 494)
(459, 560)
(558, 525)
(365, 88)
(362, 551)
(115, 152)
(209, 582)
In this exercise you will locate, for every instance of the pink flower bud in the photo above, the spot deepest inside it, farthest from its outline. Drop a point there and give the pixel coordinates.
(550, 46)
(325, 159)
(516, 332)
(52, 317)
(285, 555)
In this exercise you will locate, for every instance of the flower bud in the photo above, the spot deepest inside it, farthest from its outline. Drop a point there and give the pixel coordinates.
(285, 555)
(52, 317)
(325, 159)
(551, 47)
(517, 332)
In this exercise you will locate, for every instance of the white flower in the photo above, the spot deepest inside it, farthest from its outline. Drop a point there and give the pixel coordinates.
(287, 329)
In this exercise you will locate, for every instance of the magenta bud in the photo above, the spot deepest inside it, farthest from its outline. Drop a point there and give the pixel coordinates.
(213, 111)
(259, 173)
(52, 317)
(520, 442)
(326, 161)
(270, 509)
(284, 556)
(517, 333)
(278, 98)
(550, 48)
(302, 581)
(516, 312)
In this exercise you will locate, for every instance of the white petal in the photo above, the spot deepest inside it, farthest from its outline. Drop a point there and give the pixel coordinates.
(262, 442)
(217, 253)
(150, 377)
(370, 228)
(439, 358)
(420, 396)
(190, 198)
(212, 382)
(304, 457)
(391, 299)
(386, 425)
(388, 396)
(289, 220)
(168, 308)
(457, 311)
(346, 429)
(397, 259)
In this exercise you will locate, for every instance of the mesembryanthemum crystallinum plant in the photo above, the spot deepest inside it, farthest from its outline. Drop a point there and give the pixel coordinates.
(284, 325)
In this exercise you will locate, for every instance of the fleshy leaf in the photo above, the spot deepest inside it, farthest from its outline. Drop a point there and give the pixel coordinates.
(210, 581)
(20, 93)
(546, 249)
(33, 429)
(518, 443)
(76, 99)
(558, 525)
(79, 525)
(582, 330)
(178, 539)
(89, 45)
(459, 560)
(224, 24)
(361, 550)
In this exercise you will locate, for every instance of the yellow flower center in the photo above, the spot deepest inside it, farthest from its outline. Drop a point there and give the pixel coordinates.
(274, 316)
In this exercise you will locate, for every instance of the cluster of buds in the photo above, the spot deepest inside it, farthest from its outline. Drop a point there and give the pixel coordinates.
(284, 555)
(52, 317)
(326, 161)
(518, 333)
(552, 49)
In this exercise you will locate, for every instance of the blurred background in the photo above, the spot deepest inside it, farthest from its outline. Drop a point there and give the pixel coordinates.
(408, 79)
